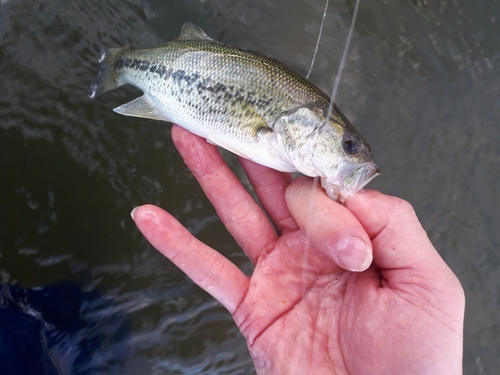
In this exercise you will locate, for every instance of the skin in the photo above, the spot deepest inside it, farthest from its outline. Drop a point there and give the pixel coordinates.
(354, 289)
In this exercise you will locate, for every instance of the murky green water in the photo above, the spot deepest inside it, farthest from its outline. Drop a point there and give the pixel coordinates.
(421, 84)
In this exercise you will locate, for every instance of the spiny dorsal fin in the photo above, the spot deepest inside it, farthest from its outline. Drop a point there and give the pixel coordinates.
(190, 31)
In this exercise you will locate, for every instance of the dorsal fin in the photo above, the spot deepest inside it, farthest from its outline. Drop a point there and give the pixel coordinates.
(190, 31)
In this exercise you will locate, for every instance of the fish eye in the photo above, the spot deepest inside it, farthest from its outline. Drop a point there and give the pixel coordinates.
(352, 144)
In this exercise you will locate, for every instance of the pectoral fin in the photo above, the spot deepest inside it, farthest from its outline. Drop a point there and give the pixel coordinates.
(141, 107)
(251, 121)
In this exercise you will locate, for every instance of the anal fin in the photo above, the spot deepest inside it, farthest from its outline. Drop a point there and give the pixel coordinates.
(141, 107)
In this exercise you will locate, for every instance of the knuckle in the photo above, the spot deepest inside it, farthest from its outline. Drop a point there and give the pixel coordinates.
(402, 208)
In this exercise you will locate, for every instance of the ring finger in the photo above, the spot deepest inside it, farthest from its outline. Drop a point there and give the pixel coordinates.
(236, 208)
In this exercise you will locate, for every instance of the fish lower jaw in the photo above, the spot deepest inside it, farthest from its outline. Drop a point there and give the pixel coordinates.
(332, 190)
(343, 189)
(358, 179)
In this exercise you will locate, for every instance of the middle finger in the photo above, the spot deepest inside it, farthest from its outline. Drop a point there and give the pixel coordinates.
(270, 186)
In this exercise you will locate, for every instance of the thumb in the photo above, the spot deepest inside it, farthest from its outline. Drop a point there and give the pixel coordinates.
(330, 227)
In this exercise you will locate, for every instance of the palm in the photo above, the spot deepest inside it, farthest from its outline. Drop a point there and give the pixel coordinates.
(292, 307)
(296, 307)
(301, 312)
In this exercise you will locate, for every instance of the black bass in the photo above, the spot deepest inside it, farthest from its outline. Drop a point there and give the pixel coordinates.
(245, 102)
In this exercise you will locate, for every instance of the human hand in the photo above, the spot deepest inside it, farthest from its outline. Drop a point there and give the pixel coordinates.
(303, 310)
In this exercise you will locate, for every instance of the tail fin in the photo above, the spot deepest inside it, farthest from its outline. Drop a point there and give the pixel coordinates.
(107, 78)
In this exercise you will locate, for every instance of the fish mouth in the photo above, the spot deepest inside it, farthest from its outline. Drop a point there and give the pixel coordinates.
(352, 178)
(357, 179)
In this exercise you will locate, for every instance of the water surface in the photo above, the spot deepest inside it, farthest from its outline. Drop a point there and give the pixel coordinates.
(421, 84)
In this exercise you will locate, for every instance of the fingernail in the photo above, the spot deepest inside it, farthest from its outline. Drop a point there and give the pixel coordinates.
(133, 213)
(354, 254)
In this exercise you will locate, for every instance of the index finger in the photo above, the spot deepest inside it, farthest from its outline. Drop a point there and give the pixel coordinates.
(399, 240)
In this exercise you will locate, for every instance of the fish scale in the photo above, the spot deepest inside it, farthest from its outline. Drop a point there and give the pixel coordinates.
(245, 102)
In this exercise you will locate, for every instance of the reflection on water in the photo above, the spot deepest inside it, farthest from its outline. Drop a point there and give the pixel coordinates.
(60, 329)
(421, 84)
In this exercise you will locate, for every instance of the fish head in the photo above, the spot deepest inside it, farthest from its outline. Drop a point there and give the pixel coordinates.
(343, 158)
(323, 143)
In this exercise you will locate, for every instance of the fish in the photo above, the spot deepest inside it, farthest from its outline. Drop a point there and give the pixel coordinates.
(244, 102)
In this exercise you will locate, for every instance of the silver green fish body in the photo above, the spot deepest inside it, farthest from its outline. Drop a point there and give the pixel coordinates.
(245, 102)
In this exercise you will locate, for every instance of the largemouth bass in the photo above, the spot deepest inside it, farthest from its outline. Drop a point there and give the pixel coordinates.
(245, 102)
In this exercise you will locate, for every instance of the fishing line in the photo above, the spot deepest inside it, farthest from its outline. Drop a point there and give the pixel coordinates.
(307, 245)
(319, 38)
(342, 60)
